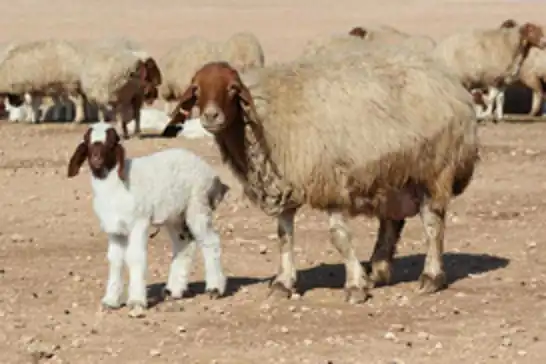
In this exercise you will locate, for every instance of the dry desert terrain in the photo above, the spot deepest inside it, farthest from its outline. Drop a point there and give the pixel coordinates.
(53, 256)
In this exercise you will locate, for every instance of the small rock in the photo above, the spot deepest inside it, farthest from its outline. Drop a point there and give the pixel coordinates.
(155, 353)
(284, 329)
(532, 244)
(181, 329)
(390, 336)
(307, 342)
(262, 249)
(506, 342)
(522, 352)
(423, 335)
(77, 278)
(438, 345)
(398, 327)
(16, 238)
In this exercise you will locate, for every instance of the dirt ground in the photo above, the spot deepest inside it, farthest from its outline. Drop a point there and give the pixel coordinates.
(52, 253)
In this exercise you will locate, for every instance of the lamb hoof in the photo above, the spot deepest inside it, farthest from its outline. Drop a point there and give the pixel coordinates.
(137, 311)
(168, 295)
(356, 295)
(108, 304)
(279, 290)
(381, 272)
(214, 293)
(429, 284)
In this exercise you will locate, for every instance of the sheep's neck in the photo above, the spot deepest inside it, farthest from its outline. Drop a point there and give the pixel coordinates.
(108, 184)
(244, 148)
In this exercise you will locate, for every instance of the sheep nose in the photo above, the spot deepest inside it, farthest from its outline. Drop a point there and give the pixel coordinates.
(211, 114)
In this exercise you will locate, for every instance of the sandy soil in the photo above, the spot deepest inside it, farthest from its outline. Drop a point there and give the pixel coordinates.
(52, 254)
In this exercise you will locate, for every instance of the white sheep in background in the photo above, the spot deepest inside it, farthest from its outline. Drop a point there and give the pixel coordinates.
(172, 188)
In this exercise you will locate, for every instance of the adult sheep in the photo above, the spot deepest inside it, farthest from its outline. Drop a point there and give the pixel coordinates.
(359, 37)
(344, 137)
(532, 74)
(489, 58)
(178, 65)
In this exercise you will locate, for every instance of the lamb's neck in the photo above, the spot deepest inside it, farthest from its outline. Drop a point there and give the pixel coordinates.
(108, 186)
(245, 149)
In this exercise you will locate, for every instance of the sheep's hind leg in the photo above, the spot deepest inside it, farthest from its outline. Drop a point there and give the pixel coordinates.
(357, 282)
(183, 245)
(136, 259)
(433, 210)
(114, 287)
(384, 250)
(283, 284)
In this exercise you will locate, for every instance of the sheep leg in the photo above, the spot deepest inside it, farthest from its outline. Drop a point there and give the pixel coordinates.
(357, 281)
(79, 107)
(183, 245)
(136, 105)
(283, 284)
(385, 247)
(199, 221)
(536, 86)
(114, 286)
(499, 104)
(136, 259)
(433, 210)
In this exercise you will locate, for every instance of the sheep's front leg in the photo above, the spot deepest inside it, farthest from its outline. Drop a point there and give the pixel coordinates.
(199, 221)
(499, 104)
(183, 245)
(79, 107)
(114, 287)
(136, 105)
(357, 282)
(385, 247)
(284, 282)
(136, 259)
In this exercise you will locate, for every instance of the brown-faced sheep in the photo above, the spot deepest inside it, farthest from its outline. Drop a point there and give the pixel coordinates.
(489, 58)
(178, 65)
(344, 137)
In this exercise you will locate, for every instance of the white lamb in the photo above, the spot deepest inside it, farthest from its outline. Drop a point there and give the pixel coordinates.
(173, 188)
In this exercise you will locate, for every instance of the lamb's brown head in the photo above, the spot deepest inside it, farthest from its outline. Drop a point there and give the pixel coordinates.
(532, 35)
(358, 32)
(102, 149)
(217, 92)
(509, 23)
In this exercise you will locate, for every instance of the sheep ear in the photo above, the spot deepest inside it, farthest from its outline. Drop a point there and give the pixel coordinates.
(186, 101)
(77, 159)
(120, 159)
(247, 102)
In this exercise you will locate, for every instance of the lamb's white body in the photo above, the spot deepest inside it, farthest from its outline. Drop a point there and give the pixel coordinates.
(170, 188)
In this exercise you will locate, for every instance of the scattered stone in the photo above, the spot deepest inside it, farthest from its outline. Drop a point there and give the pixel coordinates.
(438, 345)
(506, 342)
(154, 353)
(16, 238)
(522, 352)
(398, 327)
(181, 329)
(307, 342)
(390, 336)
(263, 249)
(423, 335)
(284, 329)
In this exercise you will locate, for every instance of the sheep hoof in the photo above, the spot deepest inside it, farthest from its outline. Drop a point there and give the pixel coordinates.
(168, 295)
(381, 272)
(214, 293)
(279, 290)
(356, 295)
(430, 284)
(137, 311)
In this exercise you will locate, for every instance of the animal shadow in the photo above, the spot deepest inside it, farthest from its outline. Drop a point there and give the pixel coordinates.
(234, 284)
(406, 269)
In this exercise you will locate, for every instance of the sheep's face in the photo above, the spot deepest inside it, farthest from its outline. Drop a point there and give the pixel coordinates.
(533, 35)
(508, 24)
(101, 148)
(150, 77)
(217, 94)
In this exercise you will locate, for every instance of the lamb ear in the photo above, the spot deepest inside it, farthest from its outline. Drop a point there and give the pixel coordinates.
(153, 72)
(77, 159)
(120, 159)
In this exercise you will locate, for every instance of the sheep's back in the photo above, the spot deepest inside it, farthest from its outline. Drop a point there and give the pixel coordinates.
(369, 121)
(166, 181)
(44, 65)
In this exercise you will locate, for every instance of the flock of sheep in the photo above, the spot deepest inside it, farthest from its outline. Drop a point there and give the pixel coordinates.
(345, 128)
